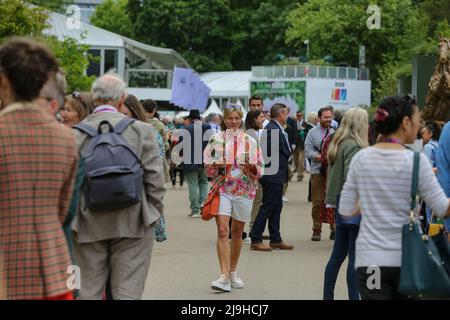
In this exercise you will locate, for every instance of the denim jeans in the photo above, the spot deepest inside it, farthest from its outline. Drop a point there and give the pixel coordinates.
(344, 244)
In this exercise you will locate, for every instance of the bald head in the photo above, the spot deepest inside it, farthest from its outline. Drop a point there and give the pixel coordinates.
(109, 89)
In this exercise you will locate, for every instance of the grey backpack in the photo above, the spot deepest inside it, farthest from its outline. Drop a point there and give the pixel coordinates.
(113, 172)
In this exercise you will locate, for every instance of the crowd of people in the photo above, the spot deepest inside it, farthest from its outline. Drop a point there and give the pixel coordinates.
(83, 181)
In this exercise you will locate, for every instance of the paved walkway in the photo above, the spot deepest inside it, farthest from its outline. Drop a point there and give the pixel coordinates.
(183, 266)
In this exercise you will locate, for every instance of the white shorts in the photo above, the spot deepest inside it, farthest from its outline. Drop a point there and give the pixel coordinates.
(238, 208)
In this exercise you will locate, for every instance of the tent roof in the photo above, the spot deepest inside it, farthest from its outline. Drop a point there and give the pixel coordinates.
(97, 37)
(228, 84)
(151, 93)
(213, 108)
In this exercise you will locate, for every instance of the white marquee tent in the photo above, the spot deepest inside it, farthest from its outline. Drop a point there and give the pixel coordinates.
(213, 108)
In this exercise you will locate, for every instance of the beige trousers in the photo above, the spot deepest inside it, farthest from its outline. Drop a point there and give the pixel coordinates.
(127, 259)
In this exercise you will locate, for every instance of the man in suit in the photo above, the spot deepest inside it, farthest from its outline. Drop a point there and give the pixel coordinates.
(276, 175)
(118, 243)
(313, 149)
(194, 172)
(39, 159)
(256, 103)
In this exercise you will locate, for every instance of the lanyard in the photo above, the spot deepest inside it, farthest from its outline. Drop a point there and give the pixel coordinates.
(326, 133)
(104, 108)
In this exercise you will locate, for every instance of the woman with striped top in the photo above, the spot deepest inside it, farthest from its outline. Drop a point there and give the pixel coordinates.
(380, 180)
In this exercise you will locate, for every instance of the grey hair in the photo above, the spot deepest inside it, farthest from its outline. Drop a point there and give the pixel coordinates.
(55, 87)
(276, 110)
(210, 117)
(108, 88)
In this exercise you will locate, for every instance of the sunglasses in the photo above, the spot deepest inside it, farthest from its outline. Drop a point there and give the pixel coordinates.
(76, 95)
(233, 106)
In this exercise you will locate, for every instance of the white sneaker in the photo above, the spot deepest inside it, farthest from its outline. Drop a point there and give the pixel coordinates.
(236, 281)
(285, 199)
(222, 284)
(247, 240)
(196, 215)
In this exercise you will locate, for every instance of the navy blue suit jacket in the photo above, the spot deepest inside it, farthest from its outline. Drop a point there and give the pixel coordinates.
(192, 166)
(281, 175)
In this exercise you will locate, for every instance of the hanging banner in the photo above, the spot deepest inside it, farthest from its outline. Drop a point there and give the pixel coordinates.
(188, 91)
(181, 87)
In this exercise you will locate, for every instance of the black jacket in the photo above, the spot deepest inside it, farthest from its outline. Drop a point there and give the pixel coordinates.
(191, 165)
(280, 175)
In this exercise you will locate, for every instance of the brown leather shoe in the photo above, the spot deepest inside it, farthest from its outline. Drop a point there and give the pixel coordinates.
(281, 246)
(260, 247)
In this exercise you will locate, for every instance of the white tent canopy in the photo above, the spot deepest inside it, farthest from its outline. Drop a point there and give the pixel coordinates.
(213, 108)
(228, 84)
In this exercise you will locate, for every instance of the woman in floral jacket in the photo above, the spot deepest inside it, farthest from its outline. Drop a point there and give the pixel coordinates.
(234, 160)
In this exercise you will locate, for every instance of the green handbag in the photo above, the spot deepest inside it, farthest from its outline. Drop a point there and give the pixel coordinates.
(422, 273)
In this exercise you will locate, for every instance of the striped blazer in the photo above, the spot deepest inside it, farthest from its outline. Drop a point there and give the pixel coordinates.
(38, 159)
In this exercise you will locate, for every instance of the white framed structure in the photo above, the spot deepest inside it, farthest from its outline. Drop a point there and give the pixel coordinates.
(146, 69)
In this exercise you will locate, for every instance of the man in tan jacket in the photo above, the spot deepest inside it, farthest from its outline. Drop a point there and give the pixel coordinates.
(119, 242)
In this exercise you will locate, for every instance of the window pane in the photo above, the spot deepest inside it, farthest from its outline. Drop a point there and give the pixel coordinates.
(94, 66)
(111, 60)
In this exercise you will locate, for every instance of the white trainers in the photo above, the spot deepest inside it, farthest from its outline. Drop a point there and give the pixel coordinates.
(247, 240)
(236, 281)
(222, 284)
(196, 215)
(285, 199)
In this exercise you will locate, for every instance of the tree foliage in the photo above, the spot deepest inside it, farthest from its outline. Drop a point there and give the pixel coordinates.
(19, 19)
(339, 27)
(74, 61)
(112, 15)
(216, 34)
(53, 5)
(197, 29)
(259, 32)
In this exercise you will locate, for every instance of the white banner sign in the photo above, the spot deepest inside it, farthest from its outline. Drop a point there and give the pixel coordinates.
(341, 94)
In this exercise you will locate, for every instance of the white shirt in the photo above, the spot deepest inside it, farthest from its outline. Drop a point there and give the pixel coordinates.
(284, 134)
(381, 180)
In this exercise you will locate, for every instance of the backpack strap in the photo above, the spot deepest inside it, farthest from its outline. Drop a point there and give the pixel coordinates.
(89, 130)
(123, 124)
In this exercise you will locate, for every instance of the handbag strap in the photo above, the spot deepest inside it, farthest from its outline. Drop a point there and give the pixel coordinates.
(415, 182)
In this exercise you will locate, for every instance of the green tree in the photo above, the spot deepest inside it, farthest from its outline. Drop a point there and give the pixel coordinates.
(74, 61)
(259, 34)
(198, 30)
(113, 16)
(53, 5)
(18, 19)
(437, 11)
(339, 27)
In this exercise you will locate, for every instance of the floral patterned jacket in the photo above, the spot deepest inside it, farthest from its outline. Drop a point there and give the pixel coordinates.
(243, 167)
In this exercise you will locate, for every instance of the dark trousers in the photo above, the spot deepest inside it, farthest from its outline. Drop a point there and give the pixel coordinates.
(388, 290)
(344, 244)
(272, 204)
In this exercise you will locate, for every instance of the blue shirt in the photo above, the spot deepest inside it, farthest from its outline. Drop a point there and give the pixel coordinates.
(443, 163)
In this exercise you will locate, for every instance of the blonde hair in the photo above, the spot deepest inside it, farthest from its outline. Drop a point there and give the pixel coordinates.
(312, 116)
(227, 112)
(355, 126)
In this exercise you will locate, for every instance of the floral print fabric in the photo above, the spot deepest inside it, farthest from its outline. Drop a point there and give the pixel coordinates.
(239, 181)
